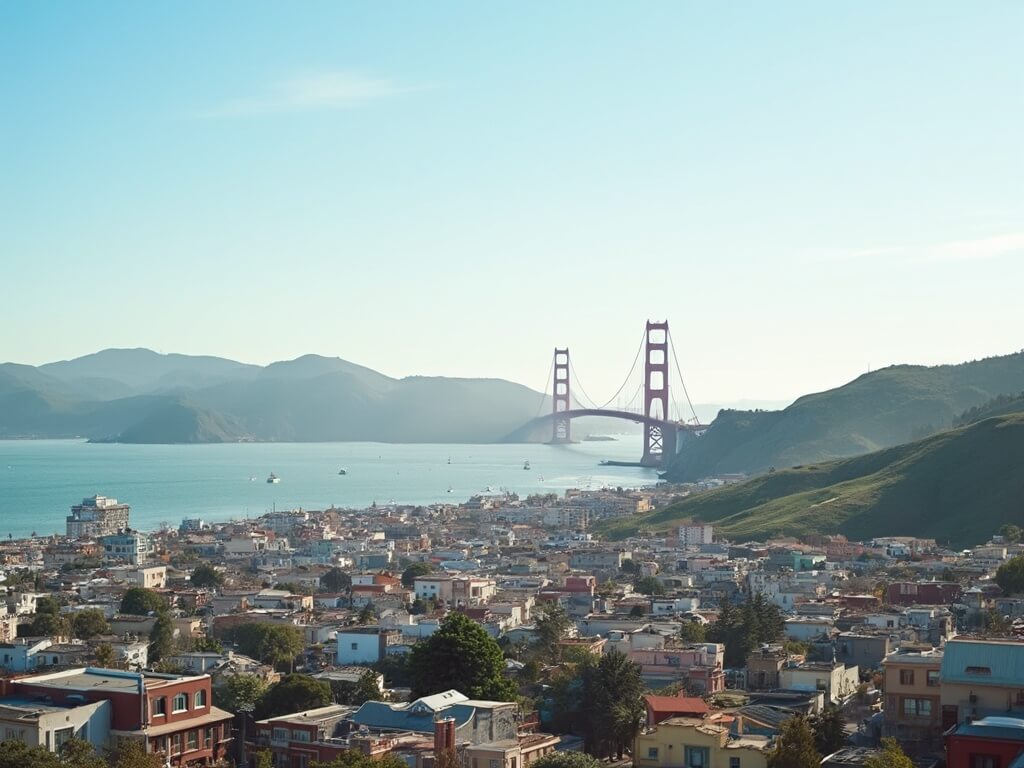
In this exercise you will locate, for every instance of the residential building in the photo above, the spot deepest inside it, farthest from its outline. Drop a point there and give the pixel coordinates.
(125, 546)
(684, 742)
(51, 725)
(476, 722)
(316, 735)
(923, 593)
(171, 715)
(991, 742)
(660, 708)
(836, 680)
(97, 516)
(365, 645)
(981, 678)
(25, 654)
(912, 696)
(695, 535)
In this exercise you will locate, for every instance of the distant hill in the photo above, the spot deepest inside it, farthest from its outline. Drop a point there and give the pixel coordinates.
(877, 410)
(958, 486)
(138, 395)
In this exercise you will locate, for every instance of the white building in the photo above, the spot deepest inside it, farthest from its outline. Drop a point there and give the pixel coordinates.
(695, 535)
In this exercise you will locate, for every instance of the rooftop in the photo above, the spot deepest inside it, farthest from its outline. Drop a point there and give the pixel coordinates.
(95, 679)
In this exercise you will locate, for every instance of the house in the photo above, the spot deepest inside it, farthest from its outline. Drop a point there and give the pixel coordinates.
(912, 697)
(991, 742)
(764, 666)
(660, 708)
(365, 645)
(923, 593)
(51, 725)
(981, 678)
(836, 680)
(684, 742)
(171, 715)
(475, 722)
(303, 737)
(25, 654)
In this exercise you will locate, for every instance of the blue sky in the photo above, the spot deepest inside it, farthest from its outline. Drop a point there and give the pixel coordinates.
(805, 190)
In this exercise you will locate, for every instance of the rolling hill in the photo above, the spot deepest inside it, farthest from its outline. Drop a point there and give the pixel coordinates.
(141, 396)
(877, 410)
(956, 486)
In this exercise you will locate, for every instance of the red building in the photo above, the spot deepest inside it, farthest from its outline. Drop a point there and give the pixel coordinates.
(992, 742)
(171, 714)
(661, 708)
(923, 593)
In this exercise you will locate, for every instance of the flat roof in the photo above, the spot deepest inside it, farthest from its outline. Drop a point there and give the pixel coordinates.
(112, 680)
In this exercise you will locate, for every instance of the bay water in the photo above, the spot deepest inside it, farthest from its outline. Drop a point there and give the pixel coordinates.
(41, 479)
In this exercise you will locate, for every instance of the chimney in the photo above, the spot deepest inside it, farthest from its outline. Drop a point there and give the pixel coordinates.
(444, 735)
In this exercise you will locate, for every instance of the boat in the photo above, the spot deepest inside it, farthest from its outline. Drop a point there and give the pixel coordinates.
(600, 439)
(342, 471)
(273, 478)
(449, 489)
(526, 464)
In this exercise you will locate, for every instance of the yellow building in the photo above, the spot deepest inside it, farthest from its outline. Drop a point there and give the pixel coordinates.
(685, 742)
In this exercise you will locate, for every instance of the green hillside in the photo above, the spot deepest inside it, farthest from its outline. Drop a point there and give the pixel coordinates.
(958, 486)
(877, 410)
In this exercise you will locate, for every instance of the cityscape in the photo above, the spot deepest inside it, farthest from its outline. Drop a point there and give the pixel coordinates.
(535, 385)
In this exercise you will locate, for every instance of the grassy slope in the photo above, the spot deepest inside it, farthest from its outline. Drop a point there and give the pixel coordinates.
(957, 486)
(876, 410)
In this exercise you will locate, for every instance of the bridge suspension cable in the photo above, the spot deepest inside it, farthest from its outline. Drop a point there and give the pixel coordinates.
(547, 386)
(632, 369)
(679, 373)
(579, 386)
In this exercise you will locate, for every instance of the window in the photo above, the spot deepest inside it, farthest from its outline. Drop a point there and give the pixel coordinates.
(933, 678)
(62, 736)
(355, 646)
(906, 677)
(280, 734)
(158, 706)
(180, 702)
(734, 762)
(208, 737)
(696, 757)
(199, 700)
(493, 764)
(193, 740)
(175, 743)
(652, 753)
(979, 671)
(984, 761)
(300, 736)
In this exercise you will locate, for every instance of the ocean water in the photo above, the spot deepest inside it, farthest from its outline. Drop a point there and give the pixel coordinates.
(41, 479)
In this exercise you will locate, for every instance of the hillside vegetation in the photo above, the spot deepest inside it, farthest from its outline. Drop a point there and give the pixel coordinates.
(877, 410)
(957, 486)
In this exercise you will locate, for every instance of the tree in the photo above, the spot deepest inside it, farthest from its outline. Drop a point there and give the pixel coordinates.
(460, 655)
(353, 758)
(77, 753)
(828, 732)
(88, 623)
(367, 615)
(18, 754)
(552, 625)
(410, 574)
(336, 580)
(638, 611)
(364, 689)
(1011, 533)
(104, 655)
(48, 620)
(612, 704)
(132, 754)
(205, 576)
(891, 756)
(276, 644)
(566, 760)
(1010, 576)
(294, 693)
(693, 632)
(794, 747)
(740, 630)
(161, 638)
(139, 601)
(240, 693)
(629, 566)
(264, 759)
(648, 585)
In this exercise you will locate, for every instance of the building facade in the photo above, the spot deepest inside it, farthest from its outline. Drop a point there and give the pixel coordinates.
(97, 516)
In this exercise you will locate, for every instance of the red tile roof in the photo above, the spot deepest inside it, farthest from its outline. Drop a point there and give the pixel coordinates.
(677, 705)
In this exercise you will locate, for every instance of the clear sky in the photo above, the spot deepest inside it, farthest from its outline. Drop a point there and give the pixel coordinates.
(804, 189)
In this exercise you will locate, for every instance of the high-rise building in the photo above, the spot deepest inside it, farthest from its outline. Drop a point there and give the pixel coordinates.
(692, 535)
(97, 516)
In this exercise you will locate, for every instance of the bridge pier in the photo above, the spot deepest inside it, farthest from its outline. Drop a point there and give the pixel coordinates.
(560, 399)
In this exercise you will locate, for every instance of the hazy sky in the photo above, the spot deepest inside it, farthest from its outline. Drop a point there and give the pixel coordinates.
(804, 189)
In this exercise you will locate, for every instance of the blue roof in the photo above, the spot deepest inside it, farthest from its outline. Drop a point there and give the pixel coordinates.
(388, 717)
(1005, 728)
(980, 662)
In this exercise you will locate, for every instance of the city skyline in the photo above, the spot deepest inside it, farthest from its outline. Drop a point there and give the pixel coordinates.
(804, 192)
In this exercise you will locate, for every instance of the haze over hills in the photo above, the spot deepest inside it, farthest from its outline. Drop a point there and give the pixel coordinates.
(877, 410)
(137, 395)
(954, 486)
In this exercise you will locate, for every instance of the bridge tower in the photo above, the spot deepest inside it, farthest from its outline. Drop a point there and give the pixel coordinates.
(560, 401)
(659, 442)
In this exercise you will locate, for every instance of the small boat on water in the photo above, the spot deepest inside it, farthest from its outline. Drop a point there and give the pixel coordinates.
(342, 471)
(273, 478)
(526, 464)
(449, 489)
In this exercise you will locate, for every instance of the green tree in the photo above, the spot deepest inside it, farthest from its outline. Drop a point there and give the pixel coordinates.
(794, 747)
(1011, 533)
(205, 576)
(368, 615)
(77, 753)
(161, 638)
(460, 655)
(355, 693)
(648, 585)
(139, 601)
(132, 754)
(88, 623)
(629, 566)
(638, 611)
(552, 624)
(105, 656)
(263, 759)
(395, 668)
(828, 730)
(294, 693)
(566, 760)
(276, 644)
(336, 580)
(240, 693)
(410, 574)
(693, 632)
(18, 754)
(1010, 576)
(890, 756)
(612, 704)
